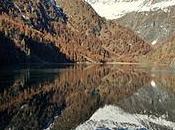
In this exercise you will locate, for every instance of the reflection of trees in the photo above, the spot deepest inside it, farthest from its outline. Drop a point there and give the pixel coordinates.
(73, 96)
(112, 87)
(121, 83)
(17, 86)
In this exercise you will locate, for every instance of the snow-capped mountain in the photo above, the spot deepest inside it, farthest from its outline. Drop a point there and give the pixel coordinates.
(153, 20)
(113, 9)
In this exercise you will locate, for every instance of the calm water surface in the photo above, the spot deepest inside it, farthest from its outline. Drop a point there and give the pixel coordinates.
(87, 97)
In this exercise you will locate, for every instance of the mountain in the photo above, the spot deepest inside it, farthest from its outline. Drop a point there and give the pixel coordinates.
(123, 43)
(153, 20)
(163, 53)
(45, 26)
(48, 32)
(40, 15)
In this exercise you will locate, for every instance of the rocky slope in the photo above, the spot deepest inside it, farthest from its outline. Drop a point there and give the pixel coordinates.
(118, 40)
(163, 54)
(153, 20)
(58, 35)
(154, 27)
(71, 36)
(28, 41)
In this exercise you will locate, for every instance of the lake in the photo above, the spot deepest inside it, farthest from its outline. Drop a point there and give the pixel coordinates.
(87, 97)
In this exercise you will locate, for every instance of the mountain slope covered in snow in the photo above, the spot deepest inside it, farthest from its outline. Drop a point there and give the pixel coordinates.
(113, 9)
(153, 20)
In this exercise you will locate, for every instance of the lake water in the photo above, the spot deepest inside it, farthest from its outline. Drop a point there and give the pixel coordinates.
(87, 97)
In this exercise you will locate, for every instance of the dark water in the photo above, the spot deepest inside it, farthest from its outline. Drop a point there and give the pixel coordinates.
(87, 97)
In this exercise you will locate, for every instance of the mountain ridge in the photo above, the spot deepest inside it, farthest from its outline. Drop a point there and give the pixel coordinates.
(81, 37)
(152, 20)
(111, 32)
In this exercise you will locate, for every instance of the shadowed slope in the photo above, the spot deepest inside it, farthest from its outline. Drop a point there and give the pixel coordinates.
(80, 36)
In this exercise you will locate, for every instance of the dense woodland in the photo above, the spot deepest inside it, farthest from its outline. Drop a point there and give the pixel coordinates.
(40, 32)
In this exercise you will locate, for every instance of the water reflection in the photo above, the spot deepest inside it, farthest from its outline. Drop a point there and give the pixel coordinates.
(87, 97)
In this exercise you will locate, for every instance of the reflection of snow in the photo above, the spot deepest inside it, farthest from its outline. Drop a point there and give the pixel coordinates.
(50, 127)
(114, 117)
(115, 114)
(153, 83)
(153, 75)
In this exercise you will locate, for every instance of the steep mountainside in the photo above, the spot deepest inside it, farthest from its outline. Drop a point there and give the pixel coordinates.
(41, 15)
(164, 54)
(154, 27)
(118, 40)
(36, 45)
(153, 20)
(58, 35)
(63, 36)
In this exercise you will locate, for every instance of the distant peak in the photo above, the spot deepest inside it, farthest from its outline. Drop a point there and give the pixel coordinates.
(113, 9)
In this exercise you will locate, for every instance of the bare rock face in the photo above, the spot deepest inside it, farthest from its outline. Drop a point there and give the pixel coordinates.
(154, 27)
(163, 54)
(39, 14)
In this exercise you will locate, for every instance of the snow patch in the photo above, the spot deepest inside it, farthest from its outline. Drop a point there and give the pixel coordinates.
(154, 42)
(50, 127)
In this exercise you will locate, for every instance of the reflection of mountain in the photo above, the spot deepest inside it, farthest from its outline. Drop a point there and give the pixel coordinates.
(17, 89)
(151, 107)
(155, 102)
(72, 96)
(36, 98)
(167, 80)
(101, 89)
(113, 117)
